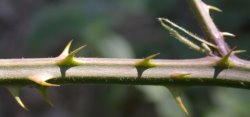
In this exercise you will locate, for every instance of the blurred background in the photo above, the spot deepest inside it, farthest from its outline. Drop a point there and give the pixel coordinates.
(116, 28)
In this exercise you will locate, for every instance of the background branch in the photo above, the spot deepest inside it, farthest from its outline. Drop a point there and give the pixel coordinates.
(201, 10)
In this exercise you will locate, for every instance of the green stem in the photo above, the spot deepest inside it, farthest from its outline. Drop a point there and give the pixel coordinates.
(202, 72)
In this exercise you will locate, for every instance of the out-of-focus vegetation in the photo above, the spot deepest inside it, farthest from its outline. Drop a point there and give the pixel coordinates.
(116, 28)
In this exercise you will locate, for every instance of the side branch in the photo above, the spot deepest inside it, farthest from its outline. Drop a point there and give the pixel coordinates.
(201, 11)
(197, 72)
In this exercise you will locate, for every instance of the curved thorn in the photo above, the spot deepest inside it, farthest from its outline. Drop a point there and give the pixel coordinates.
(146, 61)
(176, 92)
(19, 101)
(69, 60)
(66, 50)
(182, 106)
(225, 62)
(73, 53)
(239, 51)
(214, 8)
(228, 34)
(15, 91)
(41, 79)
(43, 91)
(229, 53)
(226, 57)
(151, 57)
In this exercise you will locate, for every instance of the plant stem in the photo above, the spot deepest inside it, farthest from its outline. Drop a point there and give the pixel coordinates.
(194, 72)
(122, 71)
(201, 11)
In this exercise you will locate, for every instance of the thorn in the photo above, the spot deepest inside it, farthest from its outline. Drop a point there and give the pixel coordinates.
(176, 92)
(225, 62)
(239, 51)
(182, 106)
(69, 59)
(146, 61)
(41, 79)
(73, 53)
(66, 50)
(228, 34)
(15, 92)
(151, 56)
(43, 91)
(214, 8)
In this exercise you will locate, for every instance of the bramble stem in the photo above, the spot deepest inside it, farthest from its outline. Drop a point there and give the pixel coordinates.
(122, 71)
(201, 11)
(202, 72)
